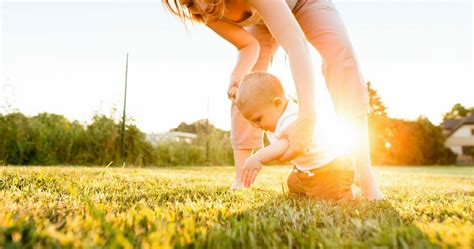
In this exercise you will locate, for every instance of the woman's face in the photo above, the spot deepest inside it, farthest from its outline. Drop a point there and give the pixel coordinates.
(196, 6)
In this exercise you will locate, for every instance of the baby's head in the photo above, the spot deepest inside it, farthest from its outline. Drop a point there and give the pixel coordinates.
(261, 100)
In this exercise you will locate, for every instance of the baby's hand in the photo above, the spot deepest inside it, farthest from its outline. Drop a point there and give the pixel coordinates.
(250, 170)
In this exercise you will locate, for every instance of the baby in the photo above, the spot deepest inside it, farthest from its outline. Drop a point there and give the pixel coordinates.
(321, 172)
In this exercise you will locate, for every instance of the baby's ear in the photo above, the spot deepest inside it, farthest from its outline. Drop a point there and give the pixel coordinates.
(277, 102)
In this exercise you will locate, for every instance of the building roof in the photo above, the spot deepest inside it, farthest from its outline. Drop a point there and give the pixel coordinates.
(450, 123)
(470, 119)
(459, 123)
(182, 134)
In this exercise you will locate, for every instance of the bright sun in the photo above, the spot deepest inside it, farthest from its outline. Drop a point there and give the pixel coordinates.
(348, 136)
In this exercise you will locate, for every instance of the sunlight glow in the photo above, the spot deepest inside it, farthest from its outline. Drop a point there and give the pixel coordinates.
(348, 136)
(342, 136)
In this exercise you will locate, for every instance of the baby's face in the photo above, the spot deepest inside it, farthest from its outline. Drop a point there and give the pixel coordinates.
(263, 115)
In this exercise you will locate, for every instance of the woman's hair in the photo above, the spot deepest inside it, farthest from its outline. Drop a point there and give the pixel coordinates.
(180, 8)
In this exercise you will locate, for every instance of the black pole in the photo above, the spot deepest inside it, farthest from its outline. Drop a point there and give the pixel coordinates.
(207, 141)
(207, 133)
(122, 140)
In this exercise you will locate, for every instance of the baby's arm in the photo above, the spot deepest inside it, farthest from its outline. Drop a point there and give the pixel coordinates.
(272, 151)
(253, 164)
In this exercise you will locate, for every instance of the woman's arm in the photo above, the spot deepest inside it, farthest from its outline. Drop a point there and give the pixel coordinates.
(285, 29)
(245, 43)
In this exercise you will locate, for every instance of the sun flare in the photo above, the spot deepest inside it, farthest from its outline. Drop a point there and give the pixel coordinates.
(347, 136)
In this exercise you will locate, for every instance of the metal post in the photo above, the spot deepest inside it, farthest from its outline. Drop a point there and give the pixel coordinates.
(122, 140)
(207, 132)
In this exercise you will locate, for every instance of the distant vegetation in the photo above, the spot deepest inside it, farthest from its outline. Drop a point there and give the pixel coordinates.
(458, 111)
(50, 139)
(211, 147)
(402, 142)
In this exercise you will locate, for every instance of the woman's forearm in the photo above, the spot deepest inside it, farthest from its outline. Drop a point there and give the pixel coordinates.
(247, 58)
(303, 75)
(286, 30)
(245, 43)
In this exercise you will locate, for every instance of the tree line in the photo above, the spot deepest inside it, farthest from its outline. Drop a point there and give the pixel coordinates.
(51, 139)
(406, 142)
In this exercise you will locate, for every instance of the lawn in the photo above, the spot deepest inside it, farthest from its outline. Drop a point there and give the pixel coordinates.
(190, 207)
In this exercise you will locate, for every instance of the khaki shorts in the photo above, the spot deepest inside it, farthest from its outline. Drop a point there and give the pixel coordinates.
(332, 181)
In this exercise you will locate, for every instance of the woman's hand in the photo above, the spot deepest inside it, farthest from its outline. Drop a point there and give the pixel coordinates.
(299, 135)
(233, 87)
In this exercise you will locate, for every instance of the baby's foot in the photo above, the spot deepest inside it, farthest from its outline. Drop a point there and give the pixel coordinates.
(236, 185)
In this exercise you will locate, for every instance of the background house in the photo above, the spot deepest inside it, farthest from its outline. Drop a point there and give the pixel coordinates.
(176, 136)
(459, 135)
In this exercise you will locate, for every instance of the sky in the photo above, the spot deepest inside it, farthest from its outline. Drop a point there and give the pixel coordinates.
(68, 57)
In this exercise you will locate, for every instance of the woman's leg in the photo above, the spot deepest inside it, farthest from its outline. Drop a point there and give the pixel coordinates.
(325, 30)
(240, 155)
(361, 158)
(244, 137)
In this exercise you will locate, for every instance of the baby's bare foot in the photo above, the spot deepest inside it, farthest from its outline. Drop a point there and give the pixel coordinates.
(236, 185)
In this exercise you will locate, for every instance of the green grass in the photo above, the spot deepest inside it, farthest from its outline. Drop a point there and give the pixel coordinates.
(190, 207)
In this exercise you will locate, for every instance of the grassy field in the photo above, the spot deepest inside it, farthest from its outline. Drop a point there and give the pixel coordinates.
(190, 207)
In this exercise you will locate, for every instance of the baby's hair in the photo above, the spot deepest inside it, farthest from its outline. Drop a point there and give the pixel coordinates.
(259, 86)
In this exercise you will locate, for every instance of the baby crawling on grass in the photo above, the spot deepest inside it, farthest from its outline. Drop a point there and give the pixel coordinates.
(322, 172)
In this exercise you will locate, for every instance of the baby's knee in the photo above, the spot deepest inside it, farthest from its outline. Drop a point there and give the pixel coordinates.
(294, 184)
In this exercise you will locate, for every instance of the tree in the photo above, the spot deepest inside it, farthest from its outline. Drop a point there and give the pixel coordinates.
(16, 146)
(212, 145)
(48, 139)
(379, 123)
(398, 141)
(458, 111)
(377, 106)
(51, 138)
(432, 143)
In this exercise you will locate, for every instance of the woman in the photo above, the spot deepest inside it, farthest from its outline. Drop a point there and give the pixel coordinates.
(256, 28)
